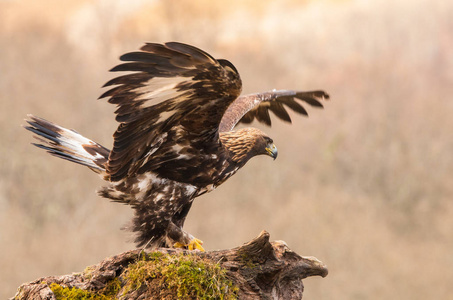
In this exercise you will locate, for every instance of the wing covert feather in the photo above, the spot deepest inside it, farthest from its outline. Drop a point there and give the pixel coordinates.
(173, 92)
(247, 108)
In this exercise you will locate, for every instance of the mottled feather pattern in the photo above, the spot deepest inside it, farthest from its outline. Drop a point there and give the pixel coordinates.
(157, 202)
(195, 90)
(176, 109)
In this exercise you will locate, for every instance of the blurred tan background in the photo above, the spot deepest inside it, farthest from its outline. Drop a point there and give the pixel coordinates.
(365, 185)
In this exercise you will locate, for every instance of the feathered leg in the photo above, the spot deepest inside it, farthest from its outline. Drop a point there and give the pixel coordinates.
(155, 230)
(160, 210)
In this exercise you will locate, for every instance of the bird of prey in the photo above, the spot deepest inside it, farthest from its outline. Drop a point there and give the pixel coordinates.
(177, 108)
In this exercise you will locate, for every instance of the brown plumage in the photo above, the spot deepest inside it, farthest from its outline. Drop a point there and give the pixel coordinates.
(176, 110)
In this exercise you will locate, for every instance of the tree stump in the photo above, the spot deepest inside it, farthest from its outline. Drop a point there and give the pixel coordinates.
(257, 270)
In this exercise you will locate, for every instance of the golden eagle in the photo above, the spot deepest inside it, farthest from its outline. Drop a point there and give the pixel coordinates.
(177, 108)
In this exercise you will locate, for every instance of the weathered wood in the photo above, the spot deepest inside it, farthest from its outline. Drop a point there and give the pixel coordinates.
(259, 269)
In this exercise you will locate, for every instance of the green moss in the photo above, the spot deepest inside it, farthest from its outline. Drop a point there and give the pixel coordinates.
(109, 292)
(181, 276)
(159, 276)
(112, 288)
(247, 261)
(61, 292)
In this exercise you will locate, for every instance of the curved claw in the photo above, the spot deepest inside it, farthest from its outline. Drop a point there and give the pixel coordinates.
(194, 244)
(179, 245)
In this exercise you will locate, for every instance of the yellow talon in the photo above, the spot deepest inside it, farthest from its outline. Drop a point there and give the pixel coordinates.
(194, 244)
(179, 245)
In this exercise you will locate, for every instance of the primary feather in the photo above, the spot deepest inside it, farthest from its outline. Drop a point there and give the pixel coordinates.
(176, 109)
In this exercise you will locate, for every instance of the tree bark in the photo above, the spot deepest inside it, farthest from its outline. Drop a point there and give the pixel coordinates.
(258, 270)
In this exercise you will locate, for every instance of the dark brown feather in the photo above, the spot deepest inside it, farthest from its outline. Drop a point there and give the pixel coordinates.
(278, 109)
(125, 79)
(256, 106)
(291, 103)
(262, 115)
(176, 109)
(180, 92)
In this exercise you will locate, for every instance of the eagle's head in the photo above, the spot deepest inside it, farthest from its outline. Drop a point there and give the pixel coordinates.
(246, 143)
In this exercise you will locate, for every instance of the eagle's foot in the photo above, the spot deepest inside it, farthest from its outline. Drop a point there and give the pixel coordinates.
(194, 244)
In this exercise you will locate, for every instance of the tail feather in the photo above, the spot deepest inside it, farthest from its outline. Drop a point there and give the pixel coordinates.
(68, 144)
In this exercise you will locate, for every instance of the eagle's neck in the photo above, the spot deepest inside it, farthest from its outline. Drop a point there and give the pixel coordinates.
(240, 144)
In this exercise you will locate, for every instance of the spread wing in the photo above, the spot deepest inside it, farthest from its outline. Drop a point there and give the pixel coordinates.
(247, 108)
(175, 93)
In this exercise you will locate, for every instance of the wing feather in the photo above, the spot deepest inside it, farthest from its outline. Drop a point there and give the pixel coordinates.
(247, 108)
(173, 92)
(263, 115)
(291, 103)
(278, 109)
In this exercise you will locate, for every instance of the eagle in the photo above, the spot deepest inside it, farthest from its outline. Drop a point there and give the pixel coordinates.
(177, 108)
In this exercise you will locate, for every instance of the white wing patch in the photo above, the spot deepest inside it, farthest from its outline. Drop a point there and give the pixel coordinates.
(159, 89)
(165, 115)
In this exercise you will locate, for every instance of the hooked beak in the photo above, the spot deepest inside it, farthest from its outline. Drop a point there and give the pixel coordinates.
(272, 151)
